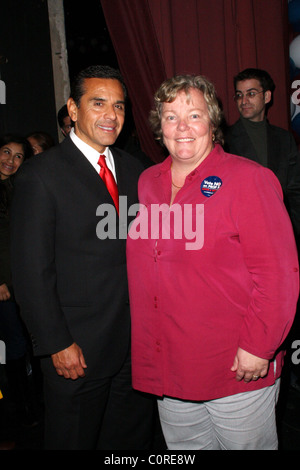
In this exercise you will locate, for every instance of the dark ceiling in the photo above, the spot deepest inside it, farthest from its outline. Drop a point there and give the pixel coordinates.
(87, 36)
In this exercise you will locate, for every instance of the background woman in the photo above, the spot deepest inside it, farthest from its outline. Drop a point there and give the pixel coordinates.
(14, 150)
(40, 141)
(209, 314)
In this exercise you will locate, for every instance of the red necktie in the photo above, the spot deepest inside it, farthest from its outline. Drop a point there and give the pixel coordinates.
(109, 180)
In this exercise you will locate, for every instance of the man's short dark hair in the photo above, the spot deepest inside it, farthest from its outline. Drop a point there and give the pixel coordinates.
(262, 76)
(94, 71)
(62, 114)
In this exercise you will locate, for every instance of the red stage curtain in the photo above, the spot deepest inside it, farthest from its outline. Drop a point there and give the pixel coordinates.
(155, 39)
(133, 36)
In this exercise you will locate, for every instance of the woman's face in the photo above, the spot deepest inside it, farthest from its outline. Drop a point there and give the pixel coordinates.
(11, 158)
(36, 148)
(186, 127)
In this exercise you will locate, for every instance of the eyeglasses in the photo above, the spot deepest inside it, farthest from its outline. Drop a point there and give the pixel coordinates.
(249, 95)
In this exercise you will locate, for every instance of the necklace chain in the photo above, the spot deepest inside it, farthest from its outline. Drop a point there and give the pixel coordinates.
(175, 186)
(178, 187)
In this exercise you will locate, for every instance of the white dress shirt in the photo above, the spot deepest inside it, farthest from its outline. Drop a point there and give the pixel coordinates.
(93, 155)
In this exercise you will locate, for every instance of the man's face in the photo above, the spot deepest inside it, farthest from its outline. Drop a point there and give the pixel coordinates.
(100, 116)
(67, 125)
(251, 107)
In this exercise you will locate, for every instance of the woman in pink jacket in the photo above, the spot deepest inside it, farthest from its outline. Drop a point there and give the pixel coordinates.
(213, 279)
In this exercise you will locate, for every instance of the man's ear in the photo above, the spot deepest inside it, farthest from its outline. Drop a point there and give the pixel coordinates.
(268, 96)
(72, 109)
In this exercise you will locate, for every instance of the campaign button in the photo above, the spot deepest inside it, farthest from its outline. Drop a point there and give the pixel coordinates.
(210, 185)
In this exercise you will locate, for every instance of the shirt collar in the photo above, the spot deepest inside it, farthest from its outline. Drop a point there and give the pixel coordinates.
(93, 155)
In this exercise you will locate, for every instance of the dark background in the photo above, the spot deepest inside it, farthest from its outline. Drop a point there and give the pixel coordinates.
(28, 75)
(88, 40)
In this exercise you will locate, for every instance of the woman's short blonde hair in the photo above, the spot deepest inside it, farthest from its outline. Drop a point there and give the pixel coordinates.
(168, 92)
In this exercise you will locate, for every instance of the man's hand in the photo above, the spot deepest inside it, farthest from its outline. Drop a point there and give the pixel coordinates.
(69, 362)
(249, 367)
(4, 292)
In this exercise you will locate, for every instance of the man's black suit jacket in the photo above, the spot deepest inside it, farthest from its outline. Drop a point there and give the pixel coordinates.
(283, 160)
(71, 286)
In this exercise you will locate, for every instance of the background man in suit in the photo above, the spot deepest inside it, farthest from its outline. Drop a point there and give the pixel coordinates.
(72, 286)
(253, 137)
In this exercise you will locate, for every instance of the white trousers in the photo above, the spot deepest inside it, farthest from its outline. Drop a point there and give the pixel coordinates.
(245, 421)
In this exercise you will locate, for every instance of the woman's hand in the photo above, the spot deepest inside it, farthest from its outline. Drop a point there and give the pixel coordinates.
(4, 292)
(249, 367)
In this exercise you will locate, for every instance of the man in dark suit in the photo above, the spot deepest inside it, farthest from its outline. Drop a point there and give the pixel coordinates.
(71, 285)
(253, 137)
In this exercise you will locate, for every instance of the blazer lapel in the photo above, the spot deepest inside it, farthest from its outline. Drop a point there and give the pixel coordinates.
(121, 172)
(242, 142)
(274, 149)
(84, 171)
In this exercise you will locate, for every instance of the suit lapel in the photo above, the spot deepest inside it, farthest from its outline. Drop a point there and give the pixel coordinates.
(243, 143)
(274, 147)
(121, 172)
(84, 171)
